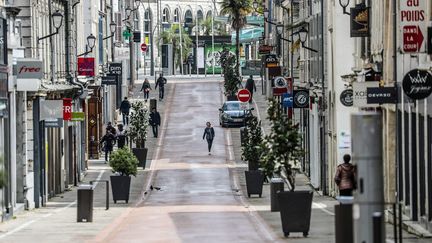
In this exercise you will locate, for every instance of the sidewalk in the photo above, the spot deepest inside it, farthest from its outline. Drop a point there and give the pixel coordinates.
(56, 222)
(322, 219)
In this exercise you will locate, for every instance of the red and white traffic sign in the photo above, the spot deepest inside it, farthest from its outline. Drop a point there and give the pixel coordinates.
(243, 95)
(413, 23)
(412, 38)
(144, 47)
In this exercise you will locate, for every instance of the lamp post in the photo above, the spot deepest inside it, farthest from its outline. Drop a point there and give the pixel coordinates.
(113, 27)
(91, 41)
(57, 18)
(302, 34)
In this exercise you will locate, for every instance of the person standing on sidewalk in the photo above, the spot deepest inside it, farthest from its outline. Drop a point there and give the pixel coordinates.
(121, 136)
(161, 81)
(209, 134)
(345, 177)
(146, 88)
(108, 141)
(125, 109)
(250, 85)
(155, 121)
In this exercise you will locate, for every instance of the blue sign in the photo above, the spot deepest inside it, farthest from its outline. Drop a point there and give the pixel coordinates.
(287, 100)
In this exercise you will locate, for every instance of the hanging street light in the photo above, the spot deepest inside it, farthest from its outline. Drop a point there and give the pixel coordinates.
(57, 18)
(91, 42)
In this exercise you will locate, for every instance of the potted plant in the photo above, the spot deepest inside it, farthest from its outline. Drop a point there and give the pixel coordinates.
(251, 150)
(139, 121)
(281, 152)
(231, 80)
(124, 164)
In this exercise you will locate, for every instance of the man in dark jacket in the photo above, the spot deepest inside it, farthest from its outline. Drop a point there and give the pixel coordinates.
(155, 121)
(108, 141)
(125, 109)
(161, 81)
(111, 128)
(121, 136)
(250, 85)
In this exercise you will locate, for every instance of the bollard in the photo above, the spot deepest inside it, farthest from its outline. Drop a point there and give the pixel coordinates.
(377, 227)
(344, 220)
(276, 185)
(85, 203)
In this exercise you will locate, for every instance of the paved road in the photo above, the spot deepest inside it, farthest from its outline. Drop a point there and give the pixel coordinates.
(197, 202)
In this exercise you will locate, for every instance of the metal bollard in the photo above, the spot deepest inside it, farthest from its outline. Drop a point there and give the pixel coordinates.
(377, 224)
(85, 203)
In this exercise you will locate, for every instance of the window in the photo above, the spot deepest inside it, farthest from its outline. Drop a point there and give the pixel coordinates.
(188, 17)
(147, 21)
(165, 15)
(209, 14)
(176, 15)
(200, 16)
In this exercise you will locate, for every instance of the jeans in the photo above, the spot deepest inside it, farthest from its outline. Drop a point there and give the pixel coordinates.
(106, 154)
(161, 92)
(125, 118)
(146, 94)
(209, 143)
(155, 130)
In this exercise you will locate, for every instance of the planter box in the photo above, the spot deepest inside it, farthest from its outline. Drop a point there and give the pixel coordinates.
(141, 154)
(120, 186)
(253, 165)
(295, 210)
(254, 182)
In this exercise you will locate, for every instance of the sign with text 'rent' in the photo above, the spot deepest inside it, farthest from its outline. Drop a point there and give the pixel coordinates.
(413, 22)
(86, 66)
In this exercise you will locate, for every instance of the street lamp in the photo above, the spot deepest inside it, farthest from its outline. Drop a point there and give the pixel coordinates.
(57, 18)
(280, 28)
(344, 4)
(255, 5)
(302, 35)
(113, 27)
(128, 12)
(266, 14)
(91, 41)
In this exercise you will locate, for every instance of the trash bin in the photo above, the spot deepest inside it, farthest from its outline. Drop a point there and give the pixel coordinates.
(242, 135)
(276, 185)
(85, 203)
(153, 104)
(344, 220)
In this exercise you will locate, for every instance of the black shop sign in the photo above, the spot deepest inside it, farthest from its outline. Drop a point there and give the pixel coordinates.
(346, 97)
(417, 84)
(301, 98)
(382, 95)
(115, 68)
(360, 21)
(109, 80)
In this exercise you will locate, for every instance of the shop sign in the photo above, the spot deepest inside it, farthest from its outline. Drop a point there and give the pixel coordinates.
(301, 98)
(137, 36)
(54, 123)
(360, 93)
(115, 68)
(77, 116)
(417, 84)
(287, 100)
(413, 23)
(109, 80)
(346, 97)
(67, 109)
(3, 41)
(3, 86)
(265, 49)
(382, 95)
(271, 60)
(280, 82)
(29, 69)
(360, 21)
(86, 66)
(279, 91)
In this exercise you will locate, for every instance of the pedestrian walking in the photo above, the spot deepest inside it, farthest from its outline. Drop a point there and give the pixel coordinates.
(122, 139)
(161, 81)
(345, 177)
(209, 134)
(111, 128)
(125, 109)
(146, 88)
(108, 141)
(155, 121)
(250, 85)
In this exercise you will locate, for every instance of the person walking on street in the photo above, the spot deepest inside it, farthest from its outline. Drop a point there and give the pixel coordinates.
(111, 128)
(209, 135)
(155, 121)
(146, 88)
(250, 85)
(161, 81)
(108, 141)
(122, 139)
(125, 109)
(345, 177)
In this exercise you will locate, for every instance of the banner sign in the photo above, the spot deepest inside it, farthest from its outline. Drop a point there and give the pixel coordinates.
(109, 80)
(360, 21)
(413, 21)
(287, 100)
(382, 95)
(86, 66)
(301, 98)
(115, 68)
(417, 84)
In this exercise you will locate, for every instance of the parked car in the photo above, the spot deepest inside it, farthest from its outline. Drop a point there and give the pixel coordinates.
(233, 113)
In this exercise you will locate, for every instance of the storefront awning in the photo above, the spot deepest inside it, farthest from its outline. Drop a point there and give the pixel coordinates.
(248, 35)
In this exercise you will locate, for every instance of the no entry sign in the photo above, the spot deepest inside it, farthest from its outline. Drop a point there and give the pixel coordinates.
(243, 95)
(144, 47)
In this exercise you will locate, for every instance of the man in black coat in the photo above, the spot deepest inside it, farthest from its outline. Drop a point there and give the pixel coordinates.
(108, 141)
(250, 85)
(125, 109)
(161, 81)
(155, 121)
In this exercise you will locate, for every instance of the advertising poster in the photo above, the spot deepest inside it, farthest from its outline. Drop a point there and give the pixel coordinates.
(209, 57)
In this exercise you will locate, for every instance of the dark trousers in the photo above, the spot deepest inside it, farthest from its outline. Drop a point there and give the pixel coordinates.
(345, 192)
(155, 130)
(161, 92)
(146, 94)
(251, 92)
(107, 151)
(125, 118)
(209, 143)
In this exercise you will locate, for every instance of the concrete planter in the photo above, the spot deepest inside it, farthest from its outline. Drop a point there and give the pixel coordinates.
(120, 186)
(254, 182)
(141, 154)
(295, 210)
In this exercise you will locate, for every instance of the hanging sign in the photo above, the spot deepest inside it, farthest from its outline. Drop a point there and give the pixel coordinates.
(382, 95)
(67, 109)
(109, 80)
(271, 60)
(265, 49)
(78, 116)
(360, 21)
(301, 98)
(287, 100)
(417, 84)
(346, 97)
(86, 66)
(413, 21)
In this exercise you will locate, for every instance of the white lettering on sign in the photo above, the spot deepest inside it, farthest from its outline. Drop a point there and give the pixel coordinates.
(413, 24)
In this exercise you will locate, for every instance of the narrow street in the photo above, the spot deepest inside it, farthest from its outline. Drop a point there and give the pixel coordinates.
(197, 201)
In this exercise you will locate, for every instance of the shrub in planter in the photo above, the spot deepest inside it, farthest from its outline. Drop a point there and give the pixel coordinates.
(252, 138)
(231, 80)
(125, 164)
(139, 122)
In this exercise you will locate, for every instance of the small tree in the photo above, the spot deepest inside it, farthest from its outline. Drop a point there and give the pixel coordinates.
(231, 79)
(124, 162)
(251, 150)
(139, 121)
(281, 149)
